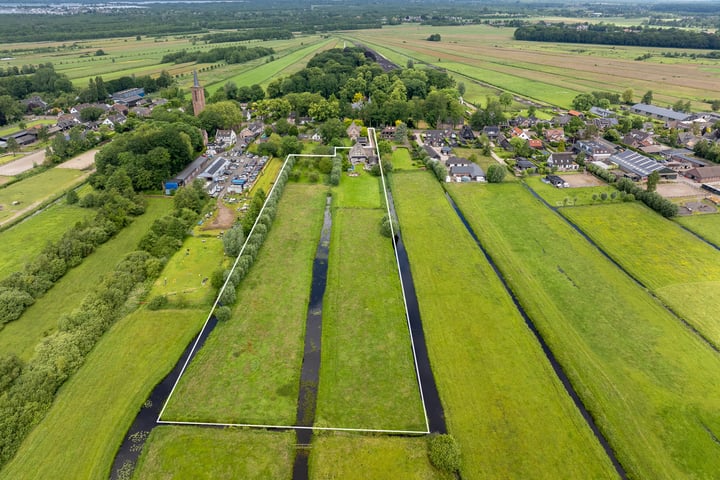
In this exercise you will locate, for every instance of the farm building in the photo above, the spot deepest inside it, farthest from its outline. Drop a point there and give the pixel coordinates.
(704, 174)
(602, 112)
(188, 174)
(659, 113)
(682, 159)
(562, 161)
(556, 181)
(215, 170)
(595, 150)
(640, 165)
(23, 137)
(467, 173)
(129, 97)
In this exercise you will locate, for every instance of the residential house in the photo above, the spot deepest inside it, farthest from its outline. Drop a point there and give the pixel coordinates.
(226, 137)
(554, 134)
(435, 138)
(388, 133)
(467, 134)
(523, 164)
(358, 154)
(535, 143)
(602, 112)
(492, 131)
(353, 131)
(564, 161)
(556, 181)
(594, 150)
(34, 102)
(638, 139)
(520, 133)
(457, 162)
(604, 123)
(467, 173)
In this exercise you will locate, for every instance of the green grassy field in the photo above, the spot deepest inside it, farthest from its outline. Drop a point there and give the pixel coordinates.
(559, 197)
(355, 191)
(85, 425)
(354, 457)
(707, 226)
(367, 373)
(25, 240)
(21, 336)
(501, 398)
(34, 190)
(185, 278)
(196, 453)
(682, 270)
(249, 369)
(649, 382)
(268, 176)
(401, 160)
(482, 160)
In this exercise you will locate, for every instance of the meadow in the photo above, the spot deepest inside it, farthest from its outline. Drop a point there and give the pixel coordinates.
(32, 191)
(27, 239)
(649, 382)
(355, 457)
(401, 159)
(248, 371)
(502, 400)
(198, 453)
(40, 319)
(559, 197)
(707, 226)
(367, 371)
(80, 434)
(683, 271)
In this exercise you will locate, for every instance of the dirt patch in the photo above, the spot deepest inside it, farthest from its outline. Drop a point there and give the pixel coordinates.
(24, 164)
(680, 189)
(81, 162)
(4, 180)
(582, 180)
(223, 220)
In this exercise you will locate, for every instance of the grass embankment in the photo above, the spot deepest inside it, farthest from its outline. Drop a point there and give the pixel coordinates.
(353, 457)
(683, 271)
(249, 369)
(82, 431)
(198, 453)
(34, 190)
(502, 400)
(21, 336)
(707, 226)
(559, 197)
(27, 239)
(267, 176)
(185, 280)
(650, 383)
(367, 373)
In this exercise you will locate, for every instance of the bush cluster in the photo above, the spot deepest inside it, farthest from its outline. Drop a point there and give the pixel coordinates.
(264, 221)
(444, 452)
(19, 290)
(652, 199)
(336, 171)
(601, 173)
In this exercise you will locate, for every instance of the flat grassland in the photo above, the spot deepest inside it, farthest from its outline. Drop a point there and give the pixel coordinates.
(36, 189)
(185, 279)
(193, 453)
(353, 457)
(559, 197)
(21, 336)
(401, 159)
(682, 270)
(248, 371)
(85, 425)
(707, 226)
(650, 383)
(367, 372)
(501, 397)
(25, 240)
(551, 73)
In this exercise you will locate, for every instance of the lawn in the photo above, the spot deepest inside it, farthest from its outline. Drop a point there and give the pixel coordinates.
(362, 191)
(559, 197)
(85, 425)
(367, 373)
(356, 457)
(36, 189)
(483, 160)
(707, 226)
(25, 240)
(679, 268)
(267, 176)
(185, 279)
(650, 383)
(401, 159)
(249, 369)
(21, 336)
(193, 453)
(501, 397)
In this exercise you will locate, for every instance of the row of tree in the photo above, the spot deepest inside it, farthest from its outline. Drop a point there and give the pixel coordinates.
(230, 55)
(248, 34)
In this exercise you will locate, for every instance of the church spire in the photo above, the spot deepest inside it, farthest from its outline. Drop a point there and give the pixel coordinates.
(198, 95)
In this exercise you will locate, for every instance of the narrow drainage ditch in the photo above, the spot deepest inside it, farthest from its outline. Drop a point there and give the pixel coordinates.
(146, 419)
(310, 372)
(632, 277)
(557, 368)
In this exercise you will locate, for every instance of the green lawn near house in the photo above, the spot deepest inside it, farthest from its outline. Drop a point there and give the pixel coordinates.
(682, 270)
(357, 457)
(649, 381)
(707, 226)
(401, 159)
(85, 425)
(362, 191)
(193, 453)
(249, 369)
(501, 398)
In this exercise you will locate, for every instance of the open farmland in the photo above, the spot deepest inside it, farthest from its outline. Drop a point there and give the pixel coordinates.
(27, 239)
(547, 72)
(683, 271)
(21, 336)
(85, 425)
(367, 374)
(559, 197)
(197, 453)
(650, 383)
(707, 226)
(248, 371)
(353, 457)
(501, 398)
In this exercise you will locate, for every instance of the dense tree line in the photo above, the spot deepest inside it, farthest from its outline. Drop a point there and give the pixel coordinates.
(238, 54)
(707, 150)
(654, 200)
(250, 34)
(605, 34)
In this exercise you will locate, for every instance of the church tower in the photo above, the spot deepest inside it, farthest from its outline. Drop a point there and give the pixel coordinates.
(198, 95)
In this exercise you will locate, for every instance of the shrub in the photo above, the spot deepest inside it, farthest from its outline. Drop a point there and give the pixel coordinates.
(223, 314)
(495, 174)
(385, 226)
(444, 452)
(157, 302)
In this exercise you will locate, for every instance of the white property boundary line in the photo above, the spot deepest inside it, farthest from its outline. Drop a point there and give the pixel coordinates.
(227, 280)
